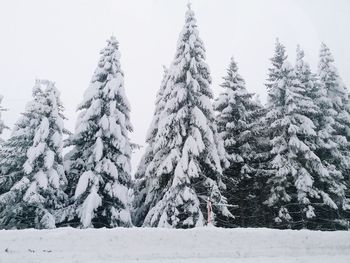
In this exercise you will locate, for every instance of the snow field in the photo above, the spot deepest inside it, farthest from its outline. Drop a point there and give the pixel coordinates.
(169, 245)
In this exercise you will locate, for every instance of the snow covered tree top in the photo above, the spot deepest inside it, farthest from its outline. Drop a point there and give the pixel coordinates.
(301, 66)
(299, 60)
(235, 102)
(233, 79)
(190, 49)
(326, 57)
(276, 72)
(328, 73)
(280, 54)
(108, 79)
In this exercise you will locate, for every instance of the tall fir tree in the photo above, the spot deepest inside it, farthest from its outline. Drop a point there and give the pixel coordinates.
(99, 164)
(239, 125)
(186, 168)
(274, 75)
(33, 178)
(334, 140)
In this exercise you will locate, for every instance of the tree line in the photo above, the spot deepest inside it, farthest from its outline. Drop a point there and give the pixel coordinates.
(280, 165)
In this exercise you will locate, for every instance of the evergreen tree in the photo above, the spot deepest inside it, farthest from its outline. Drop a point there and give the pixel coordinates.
(274, 75)
(239, 125)
(333, 135)
(142, 173)
(99, 164)
(291, 158)
(186, 168)
(33, 178)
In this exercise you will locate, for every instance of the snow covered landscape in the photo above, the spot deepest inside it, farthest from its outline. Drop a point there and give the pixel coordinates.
(238, 150)
(199, 245)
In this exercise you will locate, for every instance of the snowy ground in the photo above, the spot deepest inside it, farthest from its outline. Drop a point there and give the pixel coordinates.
(164, 245)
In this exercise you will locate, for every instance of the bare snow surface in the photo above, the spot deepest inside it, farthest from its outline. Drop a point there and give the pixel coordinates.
(169, 245)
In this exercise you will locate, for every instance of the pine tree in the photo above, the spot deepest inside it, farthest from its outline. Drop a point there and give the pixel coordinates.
(142, 173)
(239, 121)
(186, 167)
(99, 164)
(274, 75)
(334, 139)
(33, 178)
(291, 181)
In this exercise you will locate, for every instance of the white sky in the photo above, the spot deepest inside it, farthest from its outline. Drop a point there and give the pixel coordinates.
(60, 40)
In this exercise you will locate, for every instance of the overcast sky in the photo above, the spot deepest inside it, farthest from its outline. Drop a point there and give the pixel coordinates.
(60, 40)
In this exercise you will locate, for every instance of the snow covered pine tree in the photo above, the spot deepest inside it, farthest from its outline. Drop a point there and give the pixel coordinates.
(33, 178)
(275, 110)
(288, 124)
(99, 163)
(140, 206)
(239, 125)
(334, 143)
(186, 166)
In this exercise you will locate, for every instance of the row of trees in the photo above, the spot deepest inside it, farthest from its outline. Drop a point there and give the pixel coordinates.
(281, 165)
(289, 161)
